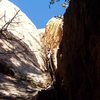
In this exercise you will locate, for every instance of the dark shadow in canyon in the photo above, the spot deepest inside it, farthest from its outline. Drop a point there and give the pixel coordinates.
(78, 73)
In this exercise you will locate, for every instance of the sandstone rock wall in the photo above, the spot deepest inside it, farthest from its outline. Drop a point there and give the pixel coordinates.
(52, 37)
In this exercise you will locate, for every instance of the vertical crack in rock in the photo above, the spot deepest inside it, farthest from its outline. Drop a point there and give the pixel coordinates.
(78, 72)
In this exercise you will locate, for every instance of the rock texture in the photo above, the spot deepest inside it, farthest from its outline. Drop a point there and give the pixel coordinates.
(79, 54)
(78, 71)
(25, 62)
(53, 36)
(22, 58)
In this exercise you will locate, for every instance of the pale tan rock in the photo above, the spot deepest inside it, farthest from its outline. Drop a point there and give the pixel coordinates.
(23, 52)
(22, 55)
(53, 36)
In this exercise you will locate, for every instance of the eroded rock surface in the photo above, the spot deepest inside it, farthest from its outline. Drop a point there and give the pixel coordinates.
(25, 67)
(22, 58)
(52, 37)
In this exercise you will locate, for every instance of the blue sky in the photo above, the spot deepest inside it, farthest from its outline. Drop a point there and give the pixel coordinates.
(38, 10)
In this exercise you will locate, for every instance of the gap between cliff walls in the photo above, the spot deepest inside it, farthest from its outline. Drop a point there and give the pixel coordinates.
(78, 73)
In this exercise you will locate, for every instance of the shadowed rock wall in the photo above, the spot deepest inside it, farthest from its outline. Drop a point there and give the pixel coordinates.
(78, 74)
(79, 54)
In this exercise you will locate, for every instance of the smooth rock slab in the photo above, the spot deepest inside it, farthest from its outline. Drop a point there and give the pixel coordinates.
(22, 55)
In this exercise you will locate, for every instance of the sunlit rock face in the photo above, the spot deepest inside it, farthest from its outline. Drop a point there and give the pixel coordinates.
(53, 36)
(22, 56)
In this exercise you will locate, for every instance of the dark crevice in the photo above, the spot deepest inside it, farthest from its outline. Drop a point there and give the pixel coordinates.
(78, 73)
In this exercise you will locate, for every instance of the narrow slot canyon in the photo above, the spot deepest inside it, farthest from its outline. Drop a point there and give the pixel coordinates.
(78, 73)
(77, 76)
